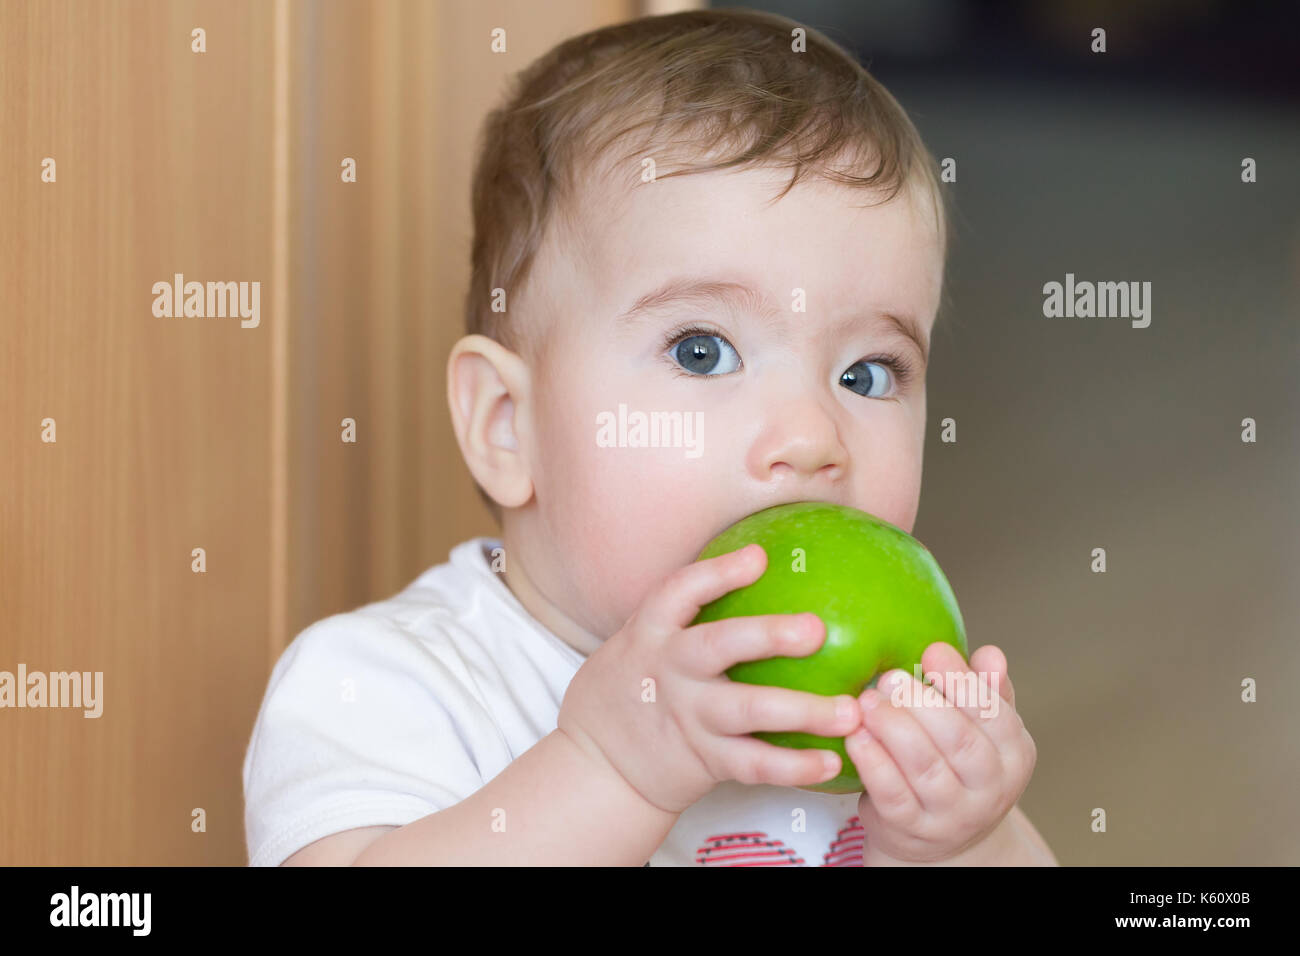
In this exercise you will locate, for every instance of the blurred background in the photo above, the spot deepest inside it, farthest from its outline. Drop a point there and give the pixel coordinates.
(1072, 434)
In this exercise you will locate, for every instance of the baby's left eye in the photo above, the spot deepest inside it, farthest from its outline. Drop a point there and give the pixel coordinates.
(860, 378)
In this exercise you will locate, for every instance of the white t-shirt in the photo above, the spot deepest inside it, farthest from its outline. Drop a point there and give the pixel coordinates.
(403, 707)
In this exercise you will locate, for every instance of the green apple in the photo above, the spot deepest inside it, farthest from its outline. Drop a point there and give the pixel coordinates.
(879, 592)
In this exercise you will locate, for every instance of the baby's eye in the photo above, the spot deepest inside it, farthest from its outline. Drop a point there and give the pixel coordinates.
(860, 378)
(702, 354)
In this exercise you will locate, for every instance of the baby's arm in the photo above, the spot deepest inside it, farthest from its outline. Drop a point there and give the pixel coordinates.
(337, 849)
(553, 806)
(1032, 835)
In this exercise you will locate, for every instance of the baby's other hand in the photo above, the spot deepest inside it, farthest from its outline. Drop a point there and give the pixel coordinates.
(942, 765)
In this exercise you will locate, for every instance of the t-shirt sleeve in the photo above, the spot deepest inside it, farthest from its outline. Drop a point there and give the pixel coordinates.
(360, 726)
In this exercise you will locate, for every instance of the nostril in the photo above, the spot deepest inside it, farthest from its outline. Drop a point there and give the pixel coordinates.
(781, 470)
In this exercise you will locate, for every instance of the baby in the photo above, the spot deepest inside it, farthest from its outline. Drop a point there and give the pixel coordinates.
(717, 218)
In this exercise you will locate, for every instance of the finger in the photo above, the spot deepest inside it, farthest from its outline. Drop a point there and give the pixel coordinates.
(752, 761)
(734, 709)
(941, 656)
(991, 660)
(896, 728)
(886, 787)
(707, 650)
(681, 595)
(970, 753)
(970, 691)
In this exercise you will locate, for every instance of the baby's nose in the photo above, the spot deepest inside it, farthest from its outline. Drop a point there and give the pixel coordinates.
(800, 442)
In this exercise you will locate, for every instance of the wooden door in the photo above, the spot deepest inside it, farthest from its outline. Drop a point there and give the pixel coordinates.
(177, 501)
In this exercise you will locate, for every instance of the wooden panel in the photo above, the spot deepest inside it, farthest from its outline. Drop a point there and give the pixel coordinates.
(182, 433)
(161, 423)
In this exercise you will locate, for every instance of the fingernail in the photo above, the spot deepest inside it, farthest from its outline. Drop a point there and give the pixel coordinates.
(870, 699)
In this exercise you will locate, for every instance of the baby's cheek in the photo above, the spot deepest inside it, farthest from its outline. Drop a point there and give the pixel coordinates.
(889, 485)
(649, 522)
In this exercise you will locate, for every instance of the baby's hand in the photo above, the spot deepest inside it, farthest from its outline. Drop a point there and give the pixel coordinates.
(695, 730)
(942, 767)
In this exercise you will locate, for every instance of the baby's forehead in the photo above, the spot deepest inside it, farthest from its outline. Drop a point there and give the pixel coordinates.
(618, 198)
(619, 235)
(618, 224)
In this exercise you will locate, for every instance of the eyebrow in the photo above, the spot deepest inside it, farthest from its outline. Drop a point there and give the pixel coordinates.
(744, 298)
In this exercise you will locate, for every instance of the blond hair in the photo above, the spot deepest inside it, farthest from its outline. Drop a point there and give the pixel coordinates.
(727, 84)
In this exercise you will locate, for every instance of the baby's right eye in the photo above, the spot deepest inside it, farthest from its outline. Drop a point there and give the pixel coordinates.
(701, 352)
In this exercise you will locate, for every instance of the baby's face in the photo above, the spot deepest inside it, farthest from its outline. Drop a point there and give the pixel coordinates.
(794, 389)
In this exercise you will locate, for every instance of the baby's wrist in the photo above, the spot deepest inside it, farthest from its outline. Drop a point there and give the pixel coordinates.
(999, 847)
(601, 767)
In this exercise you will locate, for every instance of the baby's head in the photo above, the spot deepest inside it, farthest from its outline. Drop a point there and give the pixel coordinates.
(716, 224)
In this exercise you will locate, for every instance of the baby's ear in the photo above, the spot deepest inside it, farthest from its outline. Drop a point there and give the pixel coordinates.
(486, 385)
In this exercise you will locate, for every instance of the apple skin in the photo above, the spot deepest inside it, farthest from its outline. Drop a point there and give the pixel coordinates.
(879, 591)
